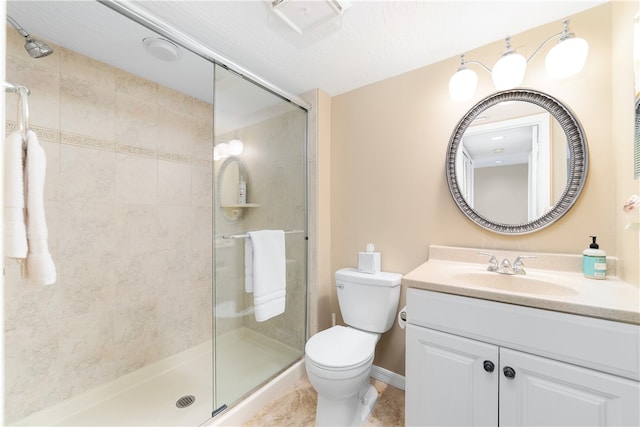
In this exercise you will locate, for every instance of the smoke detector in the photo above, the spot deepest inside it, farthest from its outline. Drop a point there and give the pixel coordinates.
(161, 48)
(306, 15)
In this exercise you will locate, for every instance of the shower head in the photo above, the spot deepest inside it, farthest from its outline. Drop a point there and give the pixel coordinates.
(36, 48)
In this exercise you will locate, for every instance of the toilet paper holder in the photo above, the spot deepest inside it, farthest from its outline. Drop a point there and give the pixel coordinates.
(402, 317)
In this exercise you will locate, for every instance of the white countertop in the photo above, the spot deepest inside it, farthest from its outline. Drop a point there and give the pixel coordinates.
(610, 299)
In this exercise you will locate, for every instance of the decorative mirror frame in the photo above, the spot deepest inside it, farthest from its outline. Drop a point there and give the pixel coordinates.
(578, 160)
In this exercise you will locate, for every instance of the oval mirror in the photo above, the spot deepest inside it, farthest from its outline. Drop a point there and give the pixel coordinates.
(232, 173)
(517, 161)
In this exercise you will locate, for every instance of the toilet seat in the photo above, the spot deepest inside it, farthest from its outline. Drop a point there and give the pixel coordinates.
(341, 348)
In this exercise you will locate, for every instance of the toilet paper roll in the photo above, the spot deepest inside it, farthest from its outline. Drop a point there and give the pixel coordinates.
(403, 313)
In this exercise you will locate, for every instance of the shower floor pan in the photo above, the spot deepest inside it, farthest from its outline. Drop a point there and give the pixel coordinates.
(148, 396)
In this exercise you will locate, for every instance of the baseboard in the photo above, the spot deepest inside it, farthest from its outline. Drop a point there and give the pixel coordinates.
(388, 377)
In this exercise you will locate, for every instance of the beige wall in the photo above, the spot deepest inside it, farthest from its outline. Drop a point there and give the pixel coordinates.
(627, 245)
(388, 147)
(320, 274)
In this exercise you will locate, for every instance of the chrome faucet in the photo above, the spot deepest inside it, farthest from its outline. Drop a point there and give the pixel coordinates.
(518, 264)
(493, 262)
(505, 267)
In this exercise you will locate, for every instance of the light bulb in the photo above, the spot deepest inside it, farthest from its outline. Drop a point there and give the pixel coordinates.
(462, 85)
(223, 149)
(567, 58)
(235, 147)
(509, 71)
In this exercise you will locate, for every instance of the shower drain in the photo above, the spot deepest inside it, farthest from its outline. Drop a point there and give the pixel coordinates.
(185, 401)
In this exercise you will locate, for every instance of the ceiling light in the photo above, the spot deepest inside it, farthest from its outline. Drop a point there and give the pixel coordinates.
(497, 138)
(498, 150)
(161, 48)
(565, 59)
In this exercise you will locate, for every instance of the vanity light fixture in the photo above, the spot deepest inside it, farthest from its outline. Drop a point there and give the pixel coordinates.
(235, 147)
(565, 59)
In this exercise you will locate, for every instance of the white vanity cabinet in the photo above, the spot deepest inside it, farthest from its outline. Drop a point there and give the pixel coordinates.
(476, 362)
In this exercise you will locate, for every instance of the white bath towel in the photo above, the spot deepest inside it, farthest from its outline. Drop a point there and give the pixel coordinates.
(40, 267)
(15, 231)
(266, 271)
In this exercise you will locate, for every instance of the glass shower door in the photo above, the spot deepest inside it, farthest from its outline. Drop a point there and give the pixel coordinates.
(261, 187)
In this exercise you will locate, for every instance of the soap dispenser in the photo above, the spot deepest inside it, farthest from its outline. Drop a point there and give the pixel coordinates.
(594, 261)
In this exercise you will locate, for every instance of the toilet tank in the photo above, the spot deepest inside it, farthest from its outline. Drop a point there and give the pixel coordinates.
(368, 301)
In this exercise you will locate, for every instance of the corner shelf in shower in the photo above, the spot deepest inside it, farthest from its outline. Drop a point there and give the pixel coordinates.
(233, 211)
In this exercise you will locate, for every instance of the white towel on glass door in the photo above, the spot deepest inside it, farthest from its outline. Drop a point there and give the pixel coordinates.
(15, 231)
(40, 266)
(265, 272)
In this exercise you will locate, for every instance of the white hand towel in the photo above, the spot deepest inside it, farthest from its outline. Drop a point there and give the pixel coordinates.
(40, 266)
(268, 268)
(15, 232)
(248, 265)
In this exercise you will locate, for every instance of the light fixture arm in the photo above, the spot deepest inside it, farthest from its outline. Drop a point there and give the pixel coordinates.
(564, 34)
(480, 64)
(464, 62)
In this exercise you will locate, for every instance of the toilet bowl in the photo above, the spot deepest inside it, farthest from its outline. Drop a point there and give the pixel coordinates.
(339, 360)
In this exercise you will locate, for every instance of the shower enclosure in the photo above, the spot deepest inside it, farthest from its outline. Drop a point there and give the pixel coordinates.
(148, 322)
(271, 173)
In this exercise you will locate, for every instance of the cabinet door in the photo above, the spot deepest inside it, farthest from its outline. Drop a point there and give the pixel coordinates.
(446, 382)
(546, 392)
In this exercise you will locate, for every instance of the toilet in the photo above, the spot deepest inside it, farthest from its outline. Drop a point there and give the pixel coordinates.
(339, 359)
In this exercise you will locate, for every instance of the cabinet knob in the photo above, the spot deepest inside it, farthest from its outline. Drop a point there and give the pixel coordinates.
(509, 372)
(488, 366)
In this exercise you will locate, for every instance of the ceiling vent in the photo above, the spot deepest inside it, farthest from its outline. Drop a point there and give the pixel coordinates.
(304, 16)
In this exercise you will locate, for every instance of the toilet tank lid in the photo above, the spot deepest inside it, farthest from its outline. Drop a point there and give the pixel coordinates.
(382, 278)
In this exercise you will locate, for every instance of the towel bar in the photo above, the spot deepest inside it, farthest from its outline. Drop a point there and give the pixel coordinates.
(245, 235)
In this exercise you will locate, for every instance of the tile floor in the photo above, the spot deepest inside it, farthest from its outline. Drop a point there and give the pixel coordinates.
(298, 408)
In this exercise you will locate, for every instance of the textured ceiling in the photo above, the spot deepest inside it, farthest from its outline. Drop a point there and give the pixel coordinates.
(376, 39)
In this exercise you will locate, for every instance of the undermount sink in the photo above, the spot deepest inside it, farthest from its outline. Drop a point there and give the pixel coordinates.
(513, 283)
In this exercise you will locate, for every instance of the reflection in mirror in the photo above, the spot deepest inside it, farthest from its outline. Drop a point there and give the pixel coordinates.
(513, 162)
(232, 175)
(516, 161)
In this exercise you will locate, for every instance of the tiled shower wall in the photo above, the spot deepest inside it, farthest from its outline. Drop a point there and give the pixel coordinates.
(129, 210)
(275, 159)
